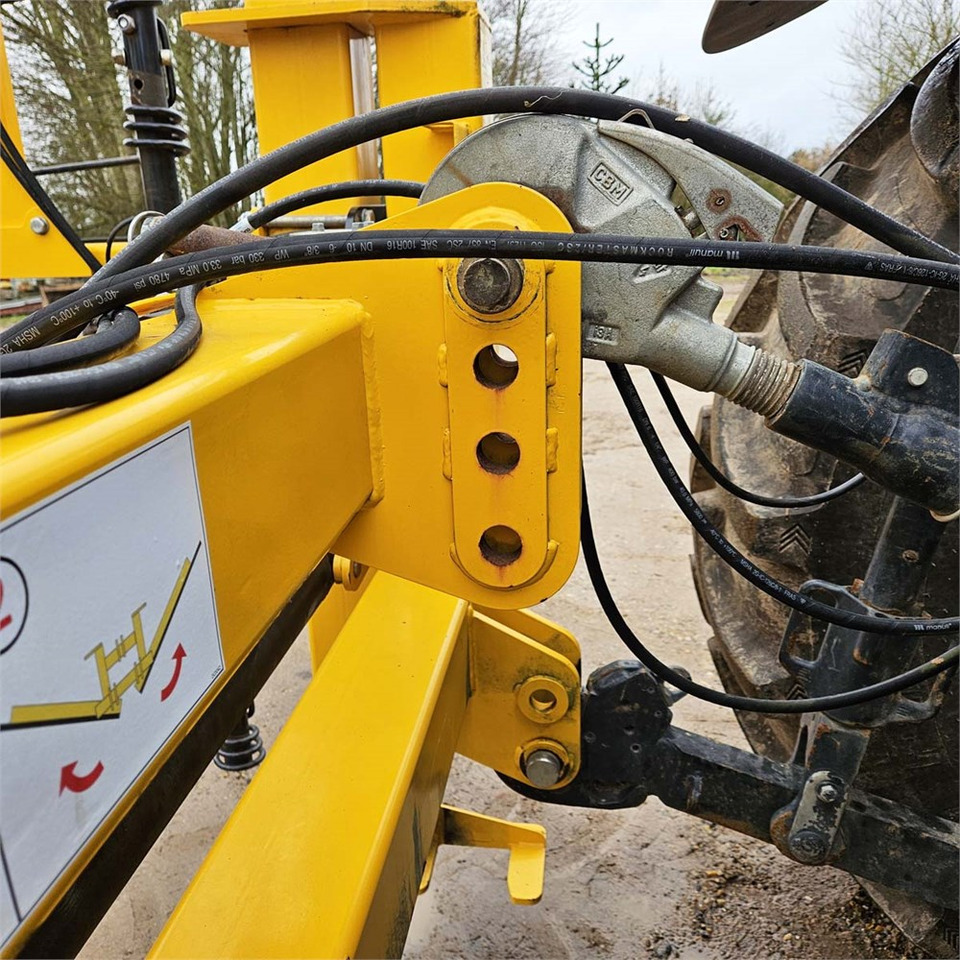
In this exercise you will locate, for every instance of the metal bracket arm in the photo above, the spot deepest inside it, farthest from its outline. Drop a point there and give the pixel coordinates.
(527, 843)
(524, 697)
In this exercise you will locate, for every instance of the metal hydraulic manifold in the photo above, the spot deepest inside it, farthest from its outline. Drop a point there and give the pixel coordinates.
(620, 178)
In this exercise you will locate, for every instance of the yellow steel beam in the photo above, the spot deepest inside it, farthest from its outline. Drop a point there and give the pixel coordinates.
(330, 838)
(252, 393)
(278, 417)
(234, 25)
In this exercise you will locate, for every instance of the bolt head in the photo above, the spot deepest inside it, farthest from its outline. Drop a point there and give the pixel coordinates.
(828, 793)
(490, 284)
(126, 24)
(543, 768)
(917, 377)
(808, 846)
(39, 226)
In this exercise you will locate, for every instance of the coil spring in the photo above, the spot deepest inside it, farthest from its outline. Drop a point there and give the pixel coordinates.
(243, 749)
(157, 127)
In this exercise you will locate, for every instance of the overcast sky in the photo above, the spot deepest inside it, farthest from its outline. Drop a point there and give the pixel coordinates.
(783, 82)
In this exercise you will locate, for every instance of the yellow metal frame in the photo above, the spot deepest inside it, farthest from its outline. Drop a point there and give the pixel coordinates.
(423, 47)
(389, 407)
(350, 423)
(335, 865)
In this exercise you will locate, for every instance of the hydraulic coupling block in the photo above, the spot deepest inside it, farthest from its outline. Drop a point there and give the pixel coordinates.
(896, 421)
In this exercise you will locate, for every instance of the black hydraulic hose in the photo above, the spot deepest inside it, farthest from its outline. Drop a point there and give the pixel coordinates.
(115, 332)
(25, 177)
(288, 250)
(334, 191)
(724, 481)
(239, 184)
(32, 394)
(732, 556)
(849, 698)
(106, 381)
(114, 233)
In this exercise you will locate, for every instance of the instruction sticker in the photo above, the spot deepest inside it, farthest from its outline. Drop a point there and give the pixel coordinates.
(108, 640)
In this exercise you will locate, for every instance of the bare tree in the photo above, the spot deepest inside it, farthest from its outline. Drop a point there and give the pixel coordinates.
(597, 67)
(216, 97)
(702, 101)
(891, 42)
(70, 105)
(525, 41)
(813, 158)
(71, 95)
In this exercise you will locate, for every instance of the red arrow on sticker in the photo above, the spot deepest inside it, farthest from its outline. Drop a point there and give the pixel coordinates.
(178, 655)
(70, 781)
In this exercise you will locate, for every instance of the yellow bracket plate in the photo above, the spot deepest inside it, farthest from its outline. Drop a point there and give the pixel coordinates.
(524, 695)
(527, 843)
(438, 499)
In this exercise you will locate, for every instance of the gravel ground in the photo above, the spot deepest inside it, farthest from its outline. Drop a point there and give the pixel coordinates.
(649, 882)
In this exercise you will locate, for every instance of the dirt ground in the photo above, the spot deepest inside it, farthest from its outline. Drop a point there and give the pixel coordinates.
(648, 882)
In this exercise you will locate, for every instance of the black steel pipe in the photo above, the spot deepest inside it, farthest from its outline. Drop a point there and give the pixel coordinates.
(151, 99)
(77, 165)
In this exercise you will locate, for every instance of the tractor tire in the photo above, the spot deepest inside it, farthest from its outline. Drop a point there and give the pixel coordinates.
(903, 160)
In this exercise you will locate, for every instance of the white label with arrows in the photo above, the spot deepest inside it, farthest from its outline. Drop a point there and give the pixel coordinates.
(108, 640)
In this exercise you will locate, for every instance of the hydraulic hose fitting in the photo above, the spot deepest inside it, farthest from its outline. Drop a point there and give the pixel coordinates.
(767, 384)
(898, 428)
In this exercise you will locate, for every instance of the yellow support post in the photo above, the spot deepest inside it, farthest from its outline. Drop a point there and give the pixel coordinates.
(330, 839)
(309, 71)
(286, 77)
(420, 60)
